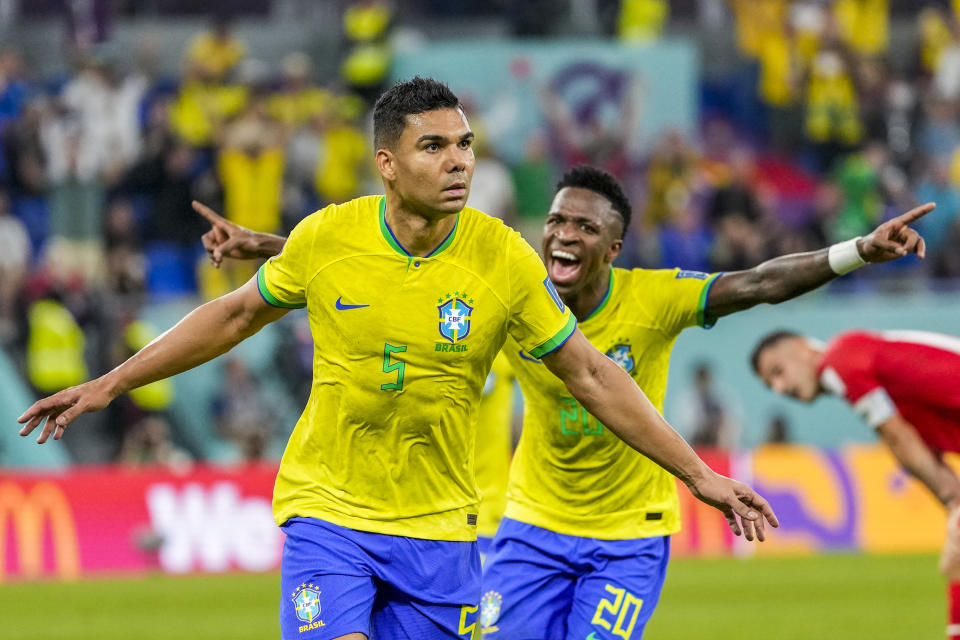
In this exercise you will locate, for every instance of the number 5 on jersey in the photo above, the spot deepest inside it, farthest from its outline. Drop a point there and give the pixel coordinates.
(390, 367)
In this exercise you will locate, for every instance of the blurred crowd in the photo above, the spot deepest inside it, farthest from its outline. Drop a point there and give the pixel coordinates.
(834, 132)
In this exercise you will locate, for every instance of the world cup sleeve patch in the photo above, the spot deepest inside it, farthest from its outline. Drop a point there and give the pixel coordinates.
(684, 273)
(552, 290)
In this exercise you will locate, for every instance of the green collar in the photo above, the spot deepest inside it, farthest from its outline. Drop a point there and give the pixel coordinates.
(392, 239)
(606, 299)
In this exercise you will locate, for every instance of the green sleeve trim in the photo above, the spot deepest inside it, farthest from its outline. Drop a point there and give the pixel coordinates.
(268, 297)
(702, 305)
(556, 341)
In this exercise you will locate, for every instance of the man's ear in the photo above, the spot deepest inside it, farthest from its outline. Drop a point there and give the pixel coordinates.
(614, 250)
(386, 164)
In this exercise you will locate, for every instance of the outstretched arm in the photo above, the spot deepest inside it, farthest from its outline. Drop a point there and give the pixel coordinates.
(612, 396)
(917, 458)
(204, 334)
(228, 240)
(789, 276)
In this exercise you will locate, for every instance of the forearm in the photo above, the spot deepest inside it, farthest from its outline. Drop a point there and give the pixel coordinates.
(618, 403)
(269, 245)
(923, 465)
(935, 475)
(773, 281)
(204, 334)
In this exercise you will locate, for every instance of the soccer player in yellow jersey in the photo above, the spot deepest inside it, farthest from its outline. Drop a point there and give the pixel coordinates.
(583, 548)
(410, 296)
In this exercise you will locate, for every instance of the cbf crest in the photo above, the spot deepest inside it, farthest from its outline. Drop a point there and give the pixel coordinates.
(455, 310)
(621, 354)
(490, 605)
(306, 600)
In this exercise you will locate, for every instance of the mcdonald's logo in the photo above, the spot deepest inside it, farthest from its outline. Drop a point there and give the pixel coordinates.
(28, 510)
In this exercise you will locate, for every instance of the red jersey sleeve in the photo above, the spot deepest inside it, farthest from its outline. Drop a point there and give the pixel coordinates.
(848, 370)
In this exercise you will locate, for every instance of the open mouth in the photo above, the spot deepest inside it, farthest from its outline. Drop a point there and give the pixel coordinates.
(564, 267)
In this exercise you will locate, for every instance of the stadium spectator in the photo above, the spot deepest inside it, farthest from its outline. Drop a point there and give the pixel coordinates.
(13, 88)
(126, 268)
(778, 430)
(149, 443)
(239, 407)
(250, 166)
(298, 100)
(14, 268)
(671, 178)
(493, 191)
(936, 186)
(706, 416)
(832, 120)
(343, 165)
(215, 53)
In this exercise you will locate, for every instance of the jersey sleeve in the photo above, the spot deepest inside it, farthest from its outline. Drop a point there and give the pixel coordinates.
(680, 296)
(538, 319)
(282, 280)
(847, 372)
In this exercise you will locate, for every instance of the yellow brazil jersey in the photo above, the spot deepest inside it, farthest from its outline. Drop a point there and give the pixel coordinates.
(570, 474)
(494, 444)
(402, 347)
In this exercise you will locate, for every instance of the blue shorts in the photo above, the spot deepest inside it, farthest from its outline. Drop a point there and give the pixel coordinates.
(336, 580)
(541, 585)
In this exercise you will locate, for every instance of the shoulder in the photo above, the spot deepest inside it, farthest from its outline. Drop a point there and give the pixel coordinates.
(335, 215)
(666, 284)
(844, 345)
(491, 236)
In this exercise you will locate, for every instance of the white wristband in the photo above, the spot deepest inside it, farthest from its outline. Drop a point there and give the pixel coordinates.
(844, 257)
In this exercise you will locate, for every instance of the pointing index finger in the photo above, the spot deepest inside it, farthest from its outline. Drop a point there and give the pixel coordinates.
(211, 216)
(916, 213)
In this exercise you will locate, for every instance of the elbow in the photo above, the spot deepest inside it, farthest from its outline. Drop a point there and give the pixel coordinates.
(588, 380)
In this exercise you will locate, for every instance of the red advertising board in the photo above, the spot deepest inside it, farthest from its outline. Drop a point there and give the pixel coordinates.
(109, 519)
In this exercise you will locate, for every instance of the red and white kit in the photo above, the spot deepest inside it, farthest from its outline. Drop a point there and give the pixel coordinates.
(915, 373)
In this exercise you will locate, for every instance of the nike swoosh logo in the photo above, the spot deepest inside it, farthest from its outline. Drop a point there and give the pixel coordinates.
(342, 307)
(593, 636)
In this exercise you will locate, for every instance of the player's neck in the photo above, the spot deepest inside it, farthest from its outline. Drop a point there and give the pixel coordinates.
(417, 233)
(585, 301)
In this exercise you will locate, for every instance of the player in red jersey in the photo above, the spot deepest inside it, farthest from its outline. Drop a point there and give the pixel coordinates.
(904, 384)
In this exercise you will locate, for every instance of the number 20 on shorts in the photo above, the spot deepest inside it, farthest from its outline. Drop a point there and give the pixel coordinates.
(623, 610)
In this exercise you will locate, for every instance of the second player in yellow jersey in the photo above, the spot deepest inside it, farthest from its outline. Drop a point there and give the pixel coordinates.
(570, 474)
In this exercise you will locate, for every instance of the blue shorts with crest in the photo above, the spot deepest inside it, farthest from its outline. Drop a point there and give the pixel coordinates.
(336, 581)
(542, 585)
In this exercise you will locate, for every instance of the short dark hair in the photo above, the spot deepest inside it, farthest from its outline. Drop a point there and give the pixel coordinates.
(768, 341)
(418, 95)
(602, 182)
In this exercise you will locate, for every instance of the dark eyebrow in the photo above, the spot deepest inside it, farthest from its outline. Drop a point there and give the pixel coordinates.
(573, 218)
(433, 137)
